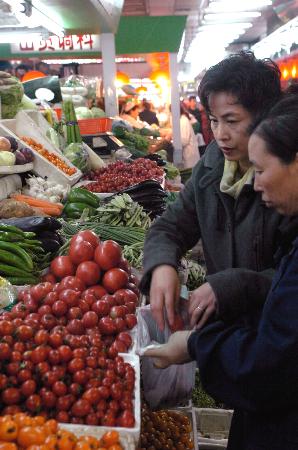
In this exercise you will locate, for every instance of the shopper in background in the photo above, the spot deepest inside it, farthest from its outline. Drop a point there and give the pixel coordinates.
(193, 109)
(190, 153)
(218, 204)
(21, 70)
(147, 115)
(6, 66)
(252, 364)
(130, 113)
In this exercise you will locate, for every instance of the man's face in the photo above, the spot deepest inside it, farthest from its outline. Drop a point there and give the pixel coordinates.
(229, 123)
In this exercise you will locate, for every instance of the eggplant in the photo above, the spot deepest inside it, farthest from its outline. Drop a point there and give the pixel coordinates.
(52, 235)
(34, 223)
(13, 143)
(49, 245)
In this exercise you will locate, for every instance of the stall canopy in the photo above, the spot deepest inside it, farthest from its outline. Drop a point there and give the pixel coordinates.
(140, 34)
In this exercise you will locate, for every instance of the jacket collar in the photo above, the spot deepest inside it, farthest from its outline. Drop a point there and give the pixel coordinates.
(288, 237)
(214, 161)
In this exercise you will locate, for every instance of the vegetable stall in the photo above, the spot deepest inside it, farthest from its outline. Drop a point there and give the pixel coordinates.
(72, 231)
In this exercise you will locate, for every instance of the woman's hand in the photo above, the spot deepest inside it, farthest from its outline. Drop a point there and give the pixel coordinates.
(202, 304)
(175, 351)
(164, 293)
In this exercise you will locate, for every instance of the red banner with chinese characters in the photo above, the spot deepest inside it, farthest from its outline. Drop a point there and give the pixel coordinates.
(54, 44)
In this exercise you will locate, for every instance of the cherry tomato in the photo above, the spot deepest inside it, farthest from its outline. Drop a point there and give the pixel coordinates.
(90, 319)
(59, 308)
(5, 351)
(96, 290)
(11, 396)
(76, 327)
(73, 283)
(101, 307)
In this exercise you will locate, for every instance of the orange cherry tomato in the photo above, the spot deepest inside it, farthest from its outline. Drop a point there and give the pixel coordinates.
(8, 446)
(8, 430)
(31, 436)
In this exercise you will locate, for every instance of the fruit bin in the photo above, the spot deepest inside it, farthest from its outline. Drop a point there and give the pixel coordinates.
(126, 439)
(133, 433)
(41, 166)
(189, 412)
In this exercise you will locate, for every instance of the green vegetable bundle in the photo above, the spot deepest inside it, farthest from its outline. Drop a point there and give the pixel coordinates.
(134, 254)
(122, 210)
(21, 255)
(72, 129)
(132, 139)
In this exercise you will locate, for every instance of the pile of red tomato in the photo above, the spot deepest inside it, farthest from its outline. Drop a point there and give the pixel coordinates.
(60, 343)
(120, 175)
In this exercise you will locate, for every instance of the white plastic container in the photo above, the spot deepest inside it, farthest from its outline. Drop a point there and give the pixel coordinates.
(36, 117)
(213, 426)
(134, 432)
(41, 166)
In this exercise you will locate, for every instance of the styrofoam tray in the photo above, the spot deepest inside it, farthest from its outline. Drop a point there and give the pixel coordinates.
(8, 170)
(41, 166)
(126, 439)
(134, 432)
(37, 117)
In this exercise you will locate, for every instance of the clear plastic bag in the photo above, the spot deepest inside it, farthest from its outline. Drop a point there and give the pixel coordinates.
(162, 387)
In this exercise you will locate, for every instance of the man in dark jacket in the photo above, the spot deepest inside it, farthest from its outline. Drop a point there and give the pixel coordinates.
(218, 205)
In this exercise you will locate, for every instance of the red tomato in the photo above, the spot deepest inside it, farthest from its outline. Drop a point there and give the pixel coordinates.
(55, 339)
(76, 327)
(62, 417)
(90, 319)
(114, 279)
(126, 419)
(39, 354)
(133, 288)
(6, 328)
(62, 266)
(28, 387)
(108, 255)
(86, 235)
(89, 298)
(126, 338)
(74, 313)
(5, 351)
(92, 395)
(41, 337)
(124, 296)
(59, 388)
(75, 365)
(124, 265)
(48, 321)
(64, 403)
(59, 308)
(65, 353)
(44, 309)
(54, 356)
(88, 272)
(83, 305)
(101, 308)
(81, 408)
(80, 252)
(48, 399)
(70, 297)
(130, 320)
(24, 333)
(106, 325)
(39, 291)
(11, 396)
(51, 298)
(49, 277)
(71, 283)
(118, 311)
(96, 290)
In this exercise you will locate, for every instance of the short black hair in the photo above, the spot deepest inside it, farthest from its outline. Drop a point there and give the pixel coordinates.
(255, 82)
(5, 66)
(280, 128)
(192, 97)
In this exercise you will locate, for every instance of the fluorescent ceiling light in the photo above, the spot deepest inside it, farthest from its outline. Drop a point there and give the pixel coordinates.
(15, 38)
(41, 16)
(225, 26)
(236, 5)
(230, 17)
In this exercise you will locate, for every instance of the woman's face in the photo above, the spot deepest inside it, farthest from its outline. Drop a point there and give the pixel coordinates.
(135, 112)
(229, 123)
(277, 181)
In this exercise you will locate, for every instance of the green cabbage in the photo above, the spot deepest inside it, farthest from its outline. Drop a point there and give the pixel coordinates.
(82, 112)
(98, 112)
(11, 97)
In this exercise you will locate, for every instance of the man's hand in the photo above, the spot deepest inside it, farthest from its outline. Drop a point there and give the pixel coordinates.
(164, 292)
(175, 351)
(202, 305)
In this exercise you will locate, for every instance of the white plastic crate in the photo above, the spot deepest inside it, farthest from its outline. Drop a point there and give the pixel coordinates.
(213, 426)
(133, 433)
(42, 167)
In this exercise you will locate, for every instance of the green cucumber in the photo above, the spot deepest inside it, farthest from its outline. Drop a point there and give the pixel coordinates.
(8, 236)
(17, 250)
(12, 259)
(11, 229)
(21, 281)
(7, 270)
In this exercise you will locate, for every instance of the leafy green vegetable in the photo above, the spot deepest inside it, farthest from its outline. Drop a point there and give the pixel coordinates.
(98, 112)
(76, 153)
(11, 96)
(82, 112)
(200, 398)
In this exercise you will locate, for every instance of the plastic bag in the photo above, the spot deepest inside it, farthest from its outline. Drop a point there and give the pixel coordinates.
(162, 387)
(77, 154)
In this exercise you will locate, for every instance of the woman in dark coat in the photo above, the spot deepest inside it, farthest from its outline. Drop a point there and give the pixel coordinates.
(252, 365)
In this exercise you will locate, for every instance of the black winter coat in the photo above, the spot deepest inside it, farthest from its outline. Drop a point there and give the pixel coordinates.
(239, 237)
(253, 367)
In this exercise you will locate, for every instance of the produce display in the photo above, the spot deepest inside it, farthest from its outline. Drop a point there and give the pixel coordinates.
(11, 153)
(122, 210)
(44, 189)
(79, 201)
(120, 175)
(138, 145)
(150, 195)
(50, 208)
(21, 255)
(60, 343)
(11, 94)
(46, 231)
(165, 429)
(52, 157)
(36, 433)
